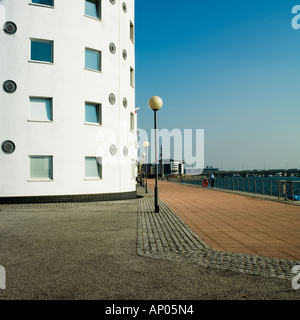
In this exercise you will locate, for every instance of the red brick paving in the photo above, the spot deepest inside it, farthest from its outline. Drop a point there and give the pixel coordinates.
(234, 223)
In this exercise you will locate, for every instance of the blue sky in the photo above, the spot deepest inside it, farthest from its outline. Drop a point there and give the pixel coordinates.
(229, 67)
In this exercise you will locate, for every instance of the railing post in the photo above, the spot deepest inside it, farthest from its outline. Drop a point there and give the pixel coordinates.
(292, 190)
(255, 186)
(248, 186)
(271, 186)
(284, 191)
(279, 191)
(262, 187)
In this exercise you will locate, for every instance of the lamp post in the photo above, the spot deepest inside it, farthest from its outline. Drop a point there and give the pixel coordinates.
(156, 103)
(146, 146)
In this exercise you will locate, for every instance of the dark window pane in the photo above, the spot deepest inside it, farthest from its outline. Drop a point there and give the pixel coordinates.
(45, 2)
(41, 50)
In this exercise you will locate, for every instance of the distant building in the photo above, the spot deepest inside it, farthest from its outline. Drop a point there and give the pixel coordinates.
(170, 166)
(210, 169)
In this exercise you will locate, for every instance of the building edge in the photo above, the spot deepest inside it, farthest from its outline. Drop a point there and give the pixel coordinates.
(70, 198)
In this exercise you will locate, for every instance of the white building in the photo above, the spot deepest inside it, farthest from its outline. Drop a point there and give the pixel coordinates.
(67, 100)
(171, 166)
(177, 167)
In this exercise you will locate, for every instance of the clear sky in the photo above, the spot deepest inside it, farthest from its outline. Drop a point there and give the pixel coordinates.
(229, 67)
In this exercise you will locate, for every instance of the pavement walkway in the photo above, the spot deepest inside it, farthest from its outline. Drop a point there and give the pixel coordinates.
(235, 223)
(122, 250)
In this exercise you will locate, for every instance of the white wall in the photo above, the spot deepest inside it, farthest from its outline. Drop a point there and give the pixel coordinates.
(67, 138)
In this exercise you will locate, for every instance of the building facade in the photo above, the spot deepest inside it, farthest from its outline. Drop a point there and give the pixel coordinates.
(171, 167)
(67, 100)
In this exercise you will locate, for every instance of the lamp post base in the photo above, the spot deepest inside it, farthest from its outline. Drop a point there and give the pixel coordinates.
(156, 200)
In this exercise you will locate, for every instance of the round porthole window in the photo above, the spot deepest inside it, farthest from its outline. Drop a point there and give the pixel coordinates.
(10, 27)
(112, 48)
(124, 6)
(8, 147)
(125, 103)
(113, 1)
(112, 98)
(9, 86)
(124, 54)
(125, 151)
(113, 150)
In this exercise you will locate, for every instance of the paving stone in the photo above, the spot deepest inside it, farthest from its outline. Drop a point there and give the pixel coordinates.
(164, 235)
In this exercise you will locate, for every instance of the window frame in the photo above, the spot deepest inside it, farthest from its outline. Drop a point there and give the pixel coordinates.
(132, 122)
(100, 59)
(41, 179)
(99, 9)
(131, 31)
(99, 113)
(41, 41)
(42, 5)
(100, 168)
(41, 98)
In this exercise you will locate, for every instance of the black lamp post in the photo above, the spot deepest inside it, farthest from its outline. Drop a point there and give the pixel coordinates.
(156, 103)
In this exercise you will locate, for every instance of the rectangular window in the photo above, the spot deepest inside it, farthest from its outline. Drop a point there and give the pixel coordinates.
(131, 32)
(93, 8)
(93, 113)
(131, 121)
(41, 167)
(92, 60)
(40, 109)
(93, 168)
(44, 2)
(132, 76)
(41, 50)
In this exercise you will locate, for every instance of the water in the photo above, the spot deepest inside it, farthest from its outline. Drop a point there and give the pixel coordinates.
(267, 186)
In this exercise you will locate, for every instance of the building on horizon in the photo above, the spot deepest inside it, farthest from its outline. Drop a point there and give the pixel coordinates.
(196, 172)
(171, 167)
(210, 169)
(68, 127)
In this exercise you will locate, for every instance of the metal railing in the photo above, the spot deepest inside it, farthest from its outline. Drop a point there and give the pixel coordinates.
(283, 189)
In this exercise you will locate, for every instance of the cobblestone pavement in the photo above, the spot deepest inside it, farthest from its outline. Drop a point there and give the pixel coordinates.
(164, 235)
